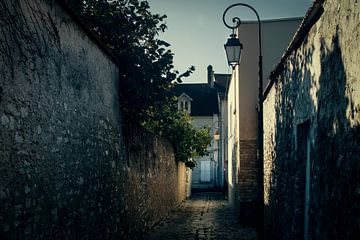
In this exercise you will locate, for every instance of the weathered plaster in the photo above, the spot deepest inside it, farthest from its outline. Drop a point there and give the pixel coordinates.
(319, 83)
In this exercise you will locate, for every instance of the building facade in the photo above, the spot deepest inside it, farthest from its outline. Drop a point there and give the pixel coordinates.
(221, 82)
(242, 113)
(200, 101)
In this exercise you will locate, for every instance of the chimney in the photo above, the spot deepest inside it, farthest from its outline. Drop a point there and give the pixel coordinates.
(210, 76)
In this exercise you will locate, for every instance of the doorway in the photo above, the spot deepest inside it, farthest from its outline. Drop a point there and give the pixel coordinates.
(302, 182)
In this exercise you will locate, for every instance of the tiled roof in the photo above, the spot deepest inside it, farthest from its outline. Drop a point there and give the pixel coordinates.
(204, 98)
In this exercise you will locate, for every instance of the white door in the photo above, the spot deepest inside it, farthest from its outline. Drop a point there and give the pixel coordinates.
(205, 171)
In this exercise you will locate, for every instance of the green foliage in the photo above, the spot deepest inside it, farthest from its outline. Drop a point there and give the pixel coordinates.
(130, 30)
(187, 141)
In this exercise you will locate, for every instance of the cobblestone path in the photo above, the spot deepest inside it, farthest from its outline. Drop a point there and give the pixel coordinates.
(204, 216)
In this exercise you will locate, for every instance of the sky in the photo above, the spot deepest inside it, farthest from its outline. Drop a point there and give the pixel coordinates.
(197, 34)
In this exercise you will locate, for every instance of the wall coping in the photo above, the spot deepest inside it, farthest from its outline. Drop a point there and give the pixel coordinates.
(66, 7)
(271, 20)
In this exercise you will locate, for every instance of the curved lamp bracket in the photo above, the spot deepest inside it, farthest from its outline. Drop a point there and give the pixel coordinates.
(237, 21)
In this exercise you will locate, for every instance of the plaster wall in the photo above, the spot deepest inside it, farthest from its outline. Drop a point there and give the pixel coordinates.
(276, 35)
(243, 99)
(233, 142)
(213, 154)
(223, 141)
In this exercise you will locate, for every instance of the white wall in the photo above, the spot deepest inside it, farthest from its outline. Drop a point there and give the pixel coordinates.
(223, 124)
(232, 136)
(213, 156)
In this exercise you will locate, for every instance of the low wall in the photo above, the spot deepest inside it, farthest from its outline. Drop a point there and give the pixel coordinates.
(155, 183)
(65, 171)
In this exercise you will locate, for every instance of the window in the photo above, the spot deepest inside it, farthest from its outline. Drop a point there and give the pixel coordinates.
(184, 103)
(184, 106)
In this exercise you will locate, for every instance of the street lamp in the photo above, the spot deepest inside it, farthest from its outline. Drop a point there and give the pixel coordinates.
(233, 49)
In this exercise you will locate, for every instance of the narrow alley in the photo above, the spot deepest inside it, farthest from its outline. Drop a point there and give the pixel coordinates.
(125, 119)
(205, 216)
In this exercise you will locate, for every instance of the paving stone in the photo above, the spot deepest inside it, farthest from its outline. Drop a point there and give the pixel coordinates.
(204, 216)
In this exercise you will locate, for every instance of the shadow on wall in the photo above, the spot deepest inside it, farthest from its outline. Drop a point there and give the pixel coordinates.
(334, 207)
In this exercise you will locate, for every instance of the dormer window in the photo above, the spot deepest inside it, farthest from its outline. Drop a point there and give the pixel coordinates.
(184, 103)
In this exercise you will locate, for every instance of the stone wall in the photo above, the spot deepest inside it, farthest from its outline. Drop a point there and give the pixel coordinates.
(65, 171)
(269, 141)
(154, 183)
(312, 132)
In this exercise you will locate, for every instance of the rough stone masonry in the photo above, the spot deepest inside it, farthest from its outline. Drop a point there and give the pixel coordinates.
(64, 170)
(312, 129)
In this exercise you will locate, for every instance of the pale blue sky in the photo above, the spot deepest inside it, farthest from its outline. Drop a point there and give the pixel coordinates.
(197, 34)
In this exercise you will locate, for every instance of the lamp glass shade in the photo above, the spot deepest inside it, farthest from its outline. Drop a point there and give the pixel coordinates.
(233, 49)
